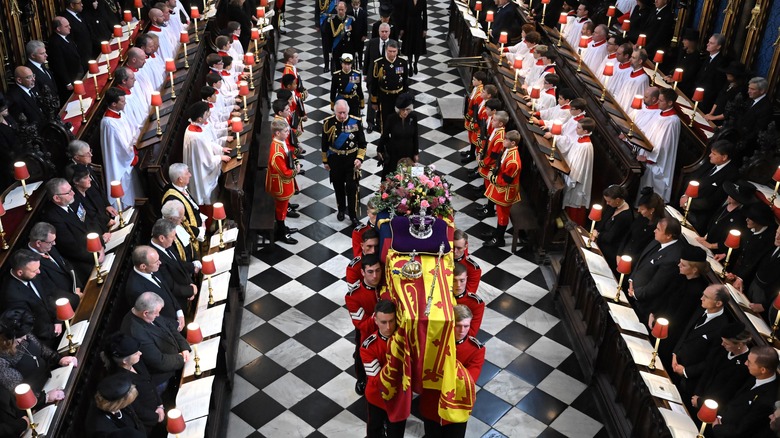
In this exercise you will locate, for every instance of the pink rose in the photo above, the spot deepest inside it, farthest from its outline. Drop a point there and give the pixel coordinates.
(399, 177)
(424, 204)
(403, 201)
(385, 196)
(410, 186)
(431, 184)
(442, 200)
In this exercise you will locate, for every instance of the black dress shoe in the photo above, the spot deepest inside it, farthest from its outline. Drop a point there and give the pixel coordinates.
(479, 190)
(354, 221)
(340, 215)
(289, 230)
(293, 214)
(415, 68)
(465, 153)
(494, 243)
(293, 206)
(486, 213)
(467, 159)
(286, 238)
(370, 128)
(302, 172)
(360, 387)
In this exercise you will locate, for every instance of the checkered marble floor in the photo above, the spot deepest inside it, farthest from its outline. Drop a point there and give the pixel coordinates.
(294, 373)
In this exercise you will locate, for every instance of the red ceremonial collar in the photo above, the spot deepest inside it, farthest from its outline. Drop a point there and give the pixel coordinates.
(612, 55)
(583, 19)
(539, 62)
(126, 90)
(550, 91)
(135, 70)
(211, 105)
(637, 73)
(624, 65)
(565, 107)
(113, 114)
(653, 106)
(224, 73)
(154, 28)
(584, 139)
(194, 128)
(579, 117)
(222, 53)
(600, 43)
(532, 49)
(153, 55)
(668, 113)
(235, 37)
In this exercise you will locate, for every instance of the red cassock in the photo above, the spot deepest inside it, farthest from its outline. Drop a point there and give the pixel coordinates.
(279, 179)
(493, 153)
(504, 187)
(470, 353)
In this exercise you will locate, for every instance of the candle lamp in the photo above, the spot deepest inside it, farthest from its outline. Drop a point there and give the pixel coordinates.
(127, 17)
(157, 103)
(249, 59)
(184, 39)
(776, 178)
(243, 91)
(195, 337)
(583, 46)
(138, 4)
(657, 59)
(2, 231)
(623, 268)
(105, 49)
(698, 96)
(195, 14)
(625, 27)
(94, 245)
(118, 35)
(594, 216)
(80, 91)
(610, 14)
(660, 331)
(117, 192)
(503, 38)
(94, 69)
(536, 92)
(517, 65)
(544, 8)
(562, 20)
(732, 243)
(691, 192)
(555, 130)
(21, 174)
(707, 415)
(26, 400)
(477, 8)
(65, 313)
(237, 126)
(677, 76)
(636, 104)
(175, 424)
(208, 269)
(256, 35)
(489, 20)
(170, 67)
(219, 215)
(609, 70)
(641, 40)
(776, 305)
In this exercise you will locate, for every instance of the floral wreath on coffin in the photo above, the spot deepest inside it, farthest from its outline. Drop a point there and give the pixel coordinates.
(412, 189)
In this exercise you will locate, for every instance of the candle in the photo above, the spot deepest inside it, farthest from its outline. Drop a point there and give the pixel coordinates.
(595, 213)
(105, 48)
(93, 67)
(170, 65)
(489, 16)
(693, 189)
(557, 128)
(237, 125)
(503, 38)
(255, 33)
(535, 92)
(659, 57)
(624, 265)
(78, 88)
(661, 329)
(219, 211)
(194, 333)
(478, 6)
(64, 309)
(732, 239)
(609, 69)
(626, 26)
(677, 76)
(175, 423)
(698, 95)
(127, 16)
(184, 37)
(641, 41)
(564, 18)
(637, 102)
(93, 242)
(156, 98)
(20, 171)
(117, 31)
(194, 12)
(116, 189)
(584, 42)
(611, 11)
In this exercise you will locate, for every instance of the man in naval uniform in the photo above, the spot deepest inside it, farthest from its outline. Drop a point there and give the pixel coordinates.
(390, 77)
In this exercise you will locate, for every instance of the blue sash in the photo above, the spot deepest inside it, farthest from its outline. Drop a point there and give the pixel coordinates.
(337, 39)
(328, 11)
(343, 135)
(350, 85)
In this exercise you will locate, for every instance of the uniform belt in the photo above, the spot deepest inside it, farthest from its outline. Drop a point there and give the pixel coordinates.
(350, 95)
(343, 151)
(391, 91)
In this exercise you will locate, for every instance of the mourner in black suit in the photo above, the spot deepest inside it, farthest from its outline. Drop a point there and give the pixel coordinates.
(757, 116)
(64, 58)
(80, 32)
(711, 178)
(730, 216)
(72, 224)
(656, 268)
(757, 243)
(659, 27)
(22, 97)
(359, 31)
(172, 270)
(747, 413)
(36, 61)
(145, 278)
(111, 413)
(764, 286)
(90, 196)
(700, 338)
(54, 268)
(505, 20)
(710, 75)
(164, 350)
(375, 50)
(725, 372)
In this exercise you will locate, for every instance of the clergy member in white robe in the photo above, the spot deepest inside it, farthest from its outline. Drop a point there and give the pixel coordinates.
(203, 156)
(573, 30)
(664, 135)
(136, 110)
(560, 112)
(597, 49)
(118, 147)
(611, 56)
(635, 83)
(576, 194)
(622, 68)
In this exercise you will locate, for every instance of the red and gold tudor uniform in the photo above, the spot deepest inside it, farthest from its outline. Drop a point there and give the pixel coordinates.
(473, 271)
(280, 178)
(492, 153)
(473, 107)
(504, 186)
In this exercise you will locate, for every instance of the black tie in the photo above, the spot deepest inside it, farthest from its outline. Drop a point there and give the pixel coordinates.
(382, 48)
(700, 321)
(712, 172)
(35, 292)
(157, 280)
(170, 254)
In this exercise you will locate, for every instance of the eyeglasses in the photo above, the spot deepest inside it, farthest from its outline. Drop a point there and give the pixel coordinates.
(86, 154)
(70, 192)
(50, 242)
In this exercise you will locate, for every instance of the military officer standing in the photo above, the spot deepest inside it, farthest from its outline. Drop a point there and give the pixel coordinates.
(347, 84)
(390, 77)
(343, 151)
(337, 34)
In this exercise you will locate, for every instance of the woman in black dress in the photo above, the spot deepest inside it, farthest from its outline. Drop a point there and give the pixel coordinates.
(97, 20)
(111, 414)
(414, 31)
(90, 197)
(736, 84)
(617, 219)
(400, 138)
(651, 209)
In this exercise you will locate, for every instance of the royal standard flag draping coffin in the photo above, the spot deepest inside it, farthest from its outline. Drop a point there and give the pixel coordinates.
(421, 353)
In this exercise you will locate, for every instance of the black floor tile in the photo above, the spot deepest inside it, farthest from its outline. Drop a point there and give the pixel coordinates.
(488, 372)
(551, 433)
(547, 303)
(536, 277)
(508, 306)
(267, 307)
(257, 418)
(586, 403)
(359, 409)
(488, 408)
(273, 254)
(270, 279)
(493, 257)
(265, 338)
(541, 406)
(529, 368)
(518, 335)
(571, 366)
(497, 277)
(317, 337)
(317, 278)
(317, 307)
(316, 371)
(317, 254)
(558, 334)
(316, 409)
(317, 210)
(261, 372)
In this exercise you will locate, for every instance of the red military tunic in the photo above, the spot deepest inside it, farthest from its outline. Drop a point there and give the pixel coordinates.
(477, 307)
(360, 301)
(471, 354)
(473, 271)
(481, 119)
(373, 354)
(472, 112)
(493, 153)
(279, 177)
(504, 186)
(355, 270)
(357, 237)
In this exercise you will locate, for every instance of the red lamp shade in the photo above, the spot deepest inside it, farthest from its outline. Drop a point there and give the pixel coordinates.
(243, 88)
(78, 88)
(105, 48)
(659, 57)
(564, 18)
(535, 92)
(64, 309)
(626, 26)
(93, 67)
(489, 16)
(93, 242)
(127, 16)
(584, 42)
(641, 41)
(138, 3)
(611, 11)
(557, 128)
(156, 98)
(2, 209)
(184, 37)
(518, 64)
(219, 211)
(194, 12)
(624, 264)
(116, 189)
(194, 335)
(249, 58)
(776, 302)
(236, 124)
(478, 6)
(677, 75)
(25, 399)
(546, 2)
(595, 212)
(636, 103)
(264, 3)
(609, 69)
(170, 65)
(117, 31)
(708, 411)
(733, 238)
(207, 265)
(693, 189)
(661, 328)
(175, 423)
(255, 33)
(20, 171)
(503, 38)
(698, 95)
(260, 12)
(776, 176)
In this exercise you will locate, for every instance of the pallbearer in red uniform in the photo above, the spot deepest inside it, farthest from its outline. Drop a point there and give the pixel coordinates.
(279, 178)
(468, 297)
(491, 157)
(504, 186)
(469, 352)
(357, 233)
(460, 254)
(473, 102)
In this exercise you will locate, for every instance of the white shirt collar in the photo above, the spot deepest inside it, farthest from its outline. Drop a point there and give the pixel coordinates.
(664, 245)
(760, 382)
